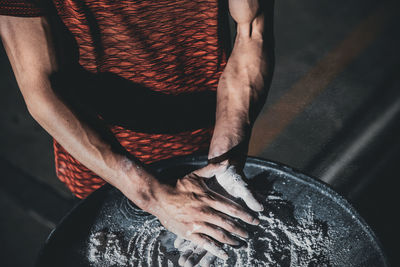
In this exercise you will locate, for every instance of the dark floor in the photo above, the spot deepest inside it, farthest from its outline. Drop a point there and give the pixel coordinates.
(336, 78)
(377, 204)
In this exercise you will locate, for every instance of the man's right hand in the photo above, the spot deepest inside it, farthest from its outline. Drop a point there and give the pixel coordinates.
(194, 212)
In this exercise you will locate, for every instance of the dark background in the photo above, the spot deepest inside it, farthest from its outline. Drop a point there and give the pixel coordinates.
(333, 112)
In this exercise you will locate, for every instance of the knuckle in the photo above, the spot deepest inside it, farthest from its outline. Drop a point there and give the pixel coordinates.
(194, 196)
(204, 211)
(186, 225)
(221, 218)
(222, 235)
(202, 198)
(233, 209)
(200, 225)
(183, 182)
(197, 199)
(188, 236)
(179, 183)
(208, 197)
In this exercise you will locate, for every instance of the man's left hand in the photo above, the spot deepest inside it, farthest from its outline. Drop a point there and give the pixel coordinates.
(232, 181)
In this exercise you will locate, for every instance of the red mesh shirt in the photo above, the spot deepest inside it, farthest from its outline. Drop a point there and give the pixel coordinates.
(167, 45)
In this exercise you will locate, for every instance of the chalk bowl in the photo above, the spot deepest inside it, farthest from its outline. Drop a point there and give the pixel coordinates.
(304, 223)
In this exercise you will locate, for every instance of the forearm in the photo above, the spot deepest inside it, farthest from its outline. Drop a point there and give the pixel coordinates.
(241, 93)
(89, 148)
(29, 47)
(245, 81)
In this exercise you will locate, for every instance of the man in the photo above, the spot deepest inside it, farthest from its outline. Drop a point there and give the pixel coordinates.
(172, 50)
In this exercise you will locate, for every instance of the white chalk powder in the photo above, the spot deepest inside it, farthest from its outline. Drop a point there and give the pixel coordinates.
(279, 240)
(105, 250)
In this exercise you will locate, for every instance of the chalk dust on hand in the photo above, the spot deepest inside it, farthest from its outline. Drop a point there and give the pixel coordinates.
(234, 184)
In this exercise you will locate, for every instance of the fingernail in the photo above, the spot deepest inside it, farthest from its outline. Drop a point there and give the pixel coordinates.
(259, 207)
(246, 235)
(235, 243)
(256, 221)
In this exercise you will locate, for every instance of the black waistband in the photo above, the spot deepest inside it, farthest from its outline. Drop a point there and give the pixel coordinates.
(133, 106)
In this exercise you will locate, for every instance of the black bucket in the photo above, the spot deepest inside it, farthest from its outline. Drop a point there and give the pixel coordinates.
(290, 195)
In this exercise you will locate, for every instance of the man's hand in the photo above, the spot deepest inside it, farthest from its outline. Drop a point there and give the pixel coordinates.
(196, 213)
(232, 182)
(241, 93)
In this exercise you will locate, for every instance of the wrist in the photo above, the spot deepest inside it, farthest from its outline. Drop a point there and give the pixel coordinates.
(138, 185)
(228, 139)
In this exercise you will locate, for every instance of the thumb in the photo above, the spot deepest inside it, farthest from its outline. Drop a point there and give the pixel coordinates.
(210, 170)
(234, 184)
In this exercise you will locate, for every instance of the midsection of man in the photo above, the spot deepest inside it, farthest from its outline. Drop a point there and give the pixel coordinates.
(168, 47)
(72, 108)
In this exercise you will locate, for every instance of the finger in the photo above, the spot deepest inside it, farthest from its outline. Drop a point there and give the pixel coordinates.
(195, 257)
(178, 242)
(230, 225)
(210, 245)
(218, 234)
(184, 256)
(229, 207)
(187, 245)
(231, 181)
(250, 200)
(234, 184)
(207, 260)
